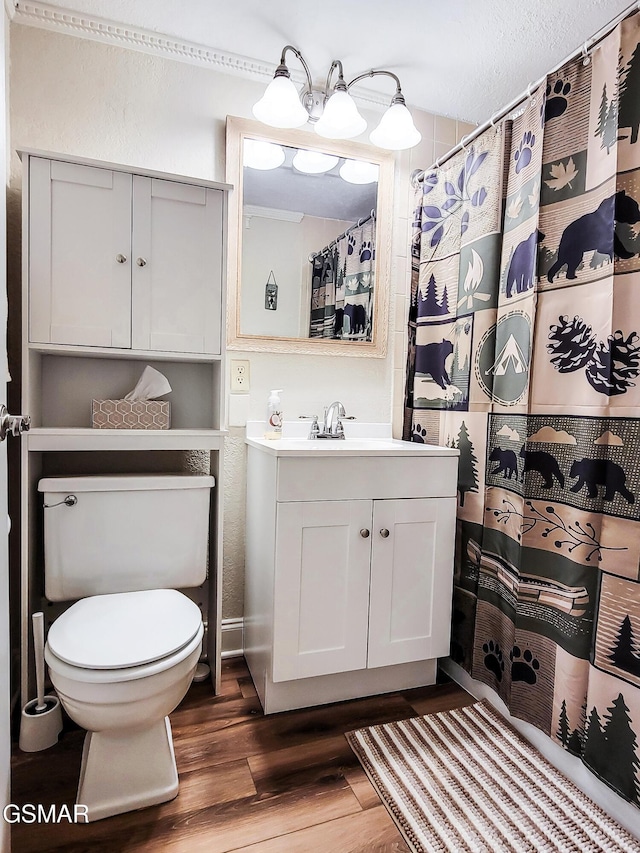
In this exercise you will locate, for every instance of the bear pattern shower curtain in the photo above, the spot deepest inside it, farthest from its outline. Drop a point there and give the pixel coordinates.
(342, 286)
(524, 353)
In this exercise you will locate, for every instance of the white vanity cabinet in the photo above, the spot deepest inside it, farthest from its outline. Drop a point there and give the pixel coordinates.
(349, 569)
(123, 260)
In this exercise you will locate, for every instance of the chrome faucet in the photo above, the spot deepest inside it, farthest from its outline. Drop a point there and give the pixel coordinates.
(332, 426)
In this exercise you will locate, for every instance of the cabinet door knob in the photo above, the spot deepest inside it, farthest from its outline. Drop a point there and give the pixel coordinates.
(121, 259)
(141, 262)
(364, 533)
(384, 533)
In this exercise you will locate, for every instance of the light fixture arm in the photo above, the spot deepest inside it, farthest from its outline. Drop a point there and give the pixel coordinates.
(340, 85)
(282, 69)
(398, 98)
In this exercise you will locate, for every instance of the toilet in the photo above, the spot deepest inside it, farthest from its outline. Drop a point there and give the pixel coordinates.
(122, 657)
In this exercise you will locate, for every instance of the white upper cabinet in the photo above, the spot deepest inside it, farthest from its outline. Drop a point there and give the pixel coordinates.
(124, 261)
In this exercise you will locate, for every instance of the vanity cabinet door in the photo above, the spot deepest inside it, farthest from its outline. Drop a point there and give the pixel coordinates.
(79, 254)
(177, 266)
(321, 594)
(411, 580)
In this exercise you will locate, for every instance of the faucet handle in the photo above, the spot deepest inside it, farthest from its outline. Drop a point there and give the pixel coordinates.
(314, 432)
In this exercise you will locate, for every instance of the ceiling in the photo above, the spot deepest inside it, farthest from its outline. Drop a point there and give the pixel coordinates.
(461, 58)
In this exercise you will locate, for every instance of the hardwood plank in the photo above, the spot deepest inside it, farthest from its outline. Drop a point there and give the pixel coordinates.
(247, 687)
(373, 832)
(214, 712)
(220, 830)
(283, 768)
(359, 783)
(439, 697)
(266, 734)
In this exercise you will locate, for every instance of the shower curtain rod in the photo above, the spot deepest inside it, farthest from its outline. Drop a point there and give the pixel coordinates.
(419, 174)
(357, 224)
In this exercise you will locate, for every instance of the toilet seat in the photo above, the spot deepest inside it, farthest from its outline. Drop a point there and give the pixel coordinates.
(125, 631)
(97, 677)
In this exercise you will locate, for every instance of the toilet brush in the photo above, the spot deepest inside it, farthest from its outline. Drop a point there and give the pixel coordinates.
(41, 720)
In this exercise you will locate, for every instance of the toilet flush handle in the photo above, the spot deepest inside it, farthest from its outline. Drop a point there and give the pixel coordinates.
(70, 500)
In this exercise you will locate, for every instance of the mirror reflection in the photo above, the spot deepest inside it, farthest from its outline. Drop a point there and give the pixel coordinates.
(308, 244)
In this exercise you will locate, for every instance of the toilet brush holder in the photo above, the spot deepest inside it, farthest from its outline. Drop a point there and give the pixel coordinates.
(40, 729)
(41, 720)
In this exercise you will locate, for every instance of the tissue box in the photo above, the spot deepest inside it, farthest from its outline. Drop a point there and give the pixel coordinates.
(122, 414)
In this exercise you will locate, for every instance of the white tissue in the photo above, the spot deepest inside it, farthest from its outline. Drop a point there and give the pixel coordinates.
(152, 384)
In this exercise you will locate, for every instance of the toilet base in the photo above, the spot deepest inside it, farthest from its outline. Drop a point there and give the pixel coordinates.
(123, 770)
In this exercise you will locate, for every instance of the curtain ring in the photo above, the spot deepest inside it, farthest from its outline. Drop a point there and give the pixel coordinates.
(586, 59)
(462, 145)
(533, 100)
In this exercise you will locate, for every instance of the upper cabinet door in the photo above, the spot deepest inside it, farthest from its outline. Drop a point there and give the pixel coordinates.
(177, 266)
(411, 580)
(79, 254)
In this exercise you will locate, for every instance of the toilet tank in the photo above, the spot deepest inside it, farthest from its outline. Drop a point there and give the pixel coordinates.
(124, 533)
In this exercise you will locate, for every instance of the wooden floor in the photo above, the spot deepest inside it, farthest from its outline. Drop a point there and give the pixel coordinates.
(286, 783)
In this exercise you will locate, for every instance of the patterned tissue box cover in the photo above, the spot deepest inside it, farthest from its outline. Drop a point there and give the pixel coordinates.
(122, 414)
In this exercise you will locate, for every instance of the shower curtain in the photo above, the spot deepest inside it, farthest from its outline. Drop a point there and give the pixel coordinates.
(325, 277)
(524, 353)
(342, 286)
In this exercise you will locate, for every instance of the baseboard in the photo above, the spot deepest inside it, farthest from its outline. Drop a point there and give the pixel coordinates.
(232, 638)
(570, 765)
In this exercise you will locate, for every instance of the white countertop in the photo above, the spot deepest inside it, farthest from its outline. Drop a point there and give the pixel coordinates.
(360, 440)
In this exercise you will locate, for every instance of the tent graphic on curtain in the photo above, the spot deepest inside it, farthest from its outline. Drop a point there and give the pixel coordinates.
(511, 357)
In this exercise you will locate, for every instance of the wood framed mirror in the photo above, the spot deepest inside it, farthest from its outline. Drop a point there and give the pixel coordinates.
(309, 252)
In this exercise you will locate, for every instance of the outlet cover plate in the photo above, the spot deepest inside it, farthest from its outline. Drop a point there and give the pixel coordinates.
(240, 376)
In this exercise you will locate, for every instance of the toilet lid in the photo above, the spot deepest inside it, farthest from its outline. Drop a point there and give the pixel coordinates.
(124, 629)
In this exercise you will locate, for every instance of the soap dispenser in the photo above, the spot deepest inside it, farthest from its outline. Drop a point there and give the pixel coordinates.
(274, 416)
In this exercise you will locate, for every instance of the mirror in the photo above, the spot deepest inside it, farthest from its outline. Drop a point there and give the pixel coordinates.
(309, 242)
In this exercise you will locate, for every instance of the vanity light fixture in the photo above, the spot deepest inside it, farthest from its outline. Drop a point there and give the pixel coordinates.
(359, 172)
(258, 154)
(332, 110)
(313, 162)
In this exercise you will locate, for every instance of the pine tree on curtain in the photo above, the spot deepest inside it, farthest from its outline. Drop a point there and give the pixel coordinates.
(524, 353)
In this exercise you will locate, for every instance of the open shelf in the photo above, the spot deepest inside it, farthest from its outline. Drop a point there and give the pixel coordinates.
(64, 386)
(78, 438)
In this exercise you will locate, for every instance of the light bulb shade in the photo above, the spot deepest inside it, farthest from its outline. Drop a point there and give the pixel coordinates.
(257, 154)
(313, 162)
(359, 172)
(340, 118)
(396, 130)
(280, 105)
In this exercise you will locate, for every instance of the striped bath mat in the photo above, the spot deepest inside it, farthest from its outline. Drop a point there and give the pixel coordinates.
(464, 780)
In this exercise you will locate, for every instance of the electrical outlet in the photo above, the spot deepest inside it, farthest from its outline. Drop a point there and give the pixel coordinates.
(240, 375)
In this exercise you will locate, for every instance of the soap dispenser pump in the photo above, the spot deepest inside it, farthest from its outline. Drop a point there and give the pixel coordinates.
(274, 416)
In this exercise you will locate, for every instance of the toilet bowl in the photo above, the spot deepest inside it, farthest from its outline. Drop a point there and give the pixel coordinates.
(120, 664)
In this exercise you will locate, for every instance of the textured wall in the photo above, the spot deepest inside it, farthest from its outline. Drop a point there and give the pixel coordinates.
(84, 98)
